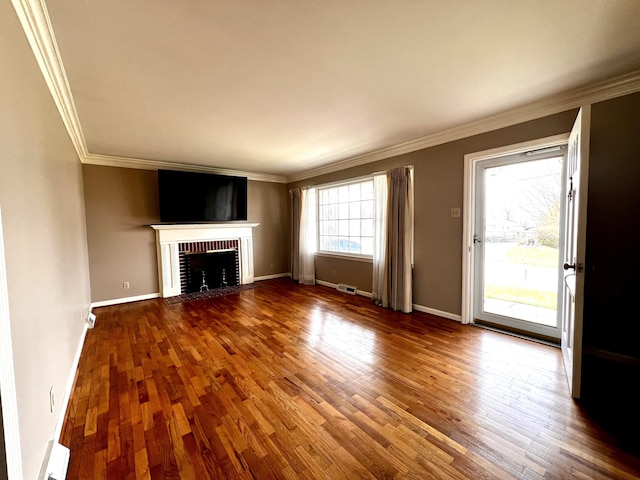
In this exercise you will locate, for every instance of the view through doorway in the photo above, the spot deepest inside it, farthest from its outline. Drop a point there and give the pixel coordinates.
(518, 239)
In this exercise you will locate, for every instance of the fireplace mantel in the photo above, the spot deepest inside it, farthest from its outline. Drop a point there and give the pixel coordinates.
(169, 236)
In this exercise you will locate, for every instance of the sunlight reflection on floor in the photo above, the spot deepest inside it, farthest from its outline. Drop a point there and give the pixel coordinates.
(514, 370)
(351, 341)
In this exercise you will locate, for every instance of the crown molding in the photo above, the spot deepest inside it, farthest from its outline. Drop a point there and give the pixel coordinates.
(141, 164)
(34, 17)
(37, 26)
(598, 92)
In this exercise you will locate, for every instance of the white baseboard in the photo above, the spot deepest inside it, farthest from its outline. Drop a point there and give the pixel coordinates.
(117, 301)
(56, 467)
(271, 277)
(438, 313)
(69, 387)
(335, 285)
(419, 308)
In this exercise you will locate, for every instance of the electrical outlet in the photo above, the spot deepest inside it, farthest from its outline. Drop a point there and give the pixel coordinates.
(52, 398)
(125, 285)
(455, 212)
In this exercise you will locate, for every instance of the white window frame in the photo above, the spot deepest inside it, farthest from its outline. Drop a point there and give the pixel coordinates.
(332, 253)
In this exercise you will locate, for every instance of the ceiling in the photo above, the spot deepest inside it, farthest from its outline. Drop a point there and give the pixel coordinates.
(282, 87)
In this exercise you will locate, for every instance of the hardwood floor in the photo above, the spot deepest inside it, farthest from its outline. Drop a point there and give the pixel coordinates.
(297, 382)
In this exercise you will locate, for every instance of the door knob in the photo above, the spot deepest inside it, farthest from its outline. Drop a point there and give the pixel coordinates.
(566, 266)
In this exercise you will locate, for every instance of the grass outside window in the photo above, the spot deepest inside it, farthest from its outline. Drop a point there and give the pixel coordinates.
(526, 296)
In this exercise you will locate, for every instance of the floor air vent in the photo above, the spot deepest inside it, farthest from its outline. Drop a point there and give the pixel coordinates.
(58, 462)
(91, 320)
(347, 289)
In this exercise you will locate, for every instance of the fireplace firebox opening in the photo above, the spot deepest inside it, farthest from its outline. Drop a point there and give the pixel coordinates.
(210, 270)
(209, 265)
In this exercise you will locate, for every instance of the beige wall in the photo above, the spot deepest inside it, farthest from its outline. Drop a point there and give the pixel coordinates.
(439, 175)
(121, 202)
(45, 243)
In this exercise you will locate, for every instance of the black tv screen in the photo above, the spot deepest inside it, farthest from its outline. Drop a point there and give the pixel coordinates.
(187, 197)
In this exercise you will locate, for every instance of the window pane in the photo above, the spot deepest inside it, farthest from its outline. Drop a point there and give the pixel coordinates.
(367, 227)
(354, 245)
(343, 194)
(366, 190)
(367, 209)
(343, 211)
(354, 192)
(354, 228)
(333, 195)
(367, 246)
(345, 218)
(354, 210)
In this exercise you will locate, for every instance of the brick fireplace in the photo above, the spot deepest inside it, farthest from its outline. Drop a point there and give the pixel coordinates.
(193, 255)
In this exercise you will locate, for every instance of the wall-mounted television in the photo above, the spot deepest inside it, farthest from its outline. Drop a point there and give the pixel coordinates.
(188, 197)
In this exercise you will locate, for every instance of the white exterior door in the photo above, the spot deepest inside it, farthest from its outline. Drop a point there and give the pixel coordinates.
(517, 241)
(574, 248)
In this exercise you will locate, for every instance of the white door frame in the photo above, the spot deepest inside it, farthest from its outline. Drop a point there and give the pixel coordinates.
(7, 376)
(470, 161)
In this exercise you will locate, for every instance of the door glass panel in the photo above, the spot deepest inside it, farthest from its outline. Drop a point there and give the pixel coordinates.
(521, 240)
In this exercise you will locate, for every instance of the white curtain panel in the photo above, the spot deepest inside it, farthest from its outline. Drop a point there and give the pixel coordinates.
(380, 287)
(307, 245)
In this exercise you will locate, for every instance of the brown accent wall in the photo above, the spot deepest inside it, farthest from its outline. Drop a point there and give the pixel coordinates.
(119, 204)
(613, 227)
(122, 202)
(271, 240)
(344, 270)
(439, 176)
(44, 239)
(611, 352)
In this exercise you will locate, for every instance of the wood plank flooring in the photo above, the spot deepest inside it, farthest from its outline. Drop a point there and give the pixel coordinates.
(302, 382)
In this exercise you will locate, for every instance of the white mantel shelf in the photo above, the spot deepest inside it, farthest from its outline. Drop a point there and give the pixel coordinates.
(183, 226)
(169, 236)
